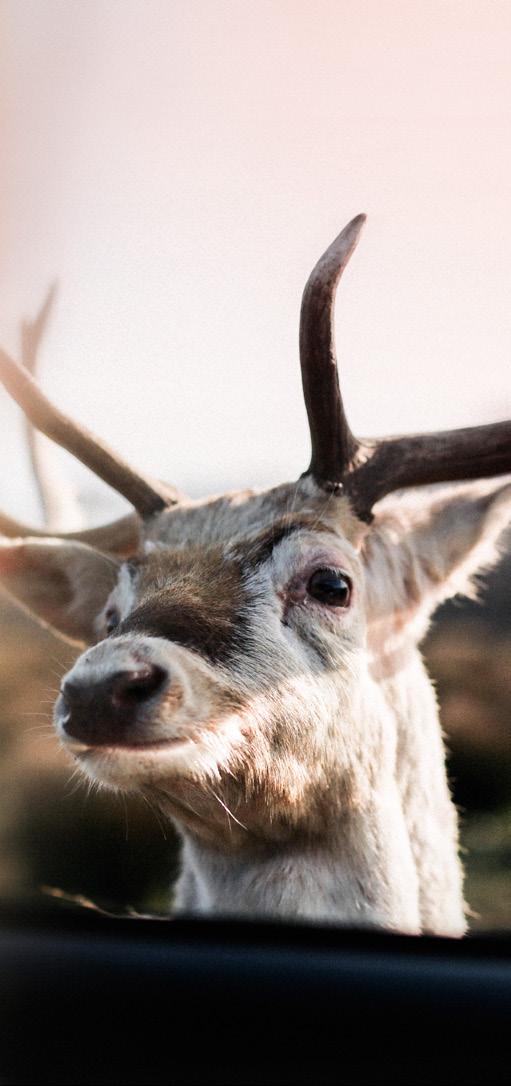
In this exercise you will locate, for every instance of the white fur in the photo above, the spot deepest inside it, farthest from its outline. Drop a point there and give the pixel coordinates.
(305, 769)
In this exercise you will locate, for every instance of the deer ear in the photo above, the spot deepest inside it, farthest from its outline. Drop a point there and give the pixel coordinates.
(427, 547)
(63, 584)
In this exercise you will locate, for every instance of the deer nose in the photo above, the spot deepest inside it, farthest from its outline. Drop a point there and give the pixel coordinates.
(108, 709)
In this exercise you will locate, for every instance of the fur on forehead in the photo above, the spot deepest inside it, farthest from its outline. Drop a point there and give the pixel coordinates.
(234, 517)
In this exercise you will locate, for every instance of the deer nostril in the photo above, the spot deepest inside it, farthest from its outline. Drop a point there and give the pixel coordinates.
(123, 690)
(110, 707)
(137, 684)
(71, 692)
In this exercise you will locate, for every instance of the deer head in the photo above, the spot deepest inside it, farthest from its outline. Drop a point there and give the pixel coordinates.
(253, 666)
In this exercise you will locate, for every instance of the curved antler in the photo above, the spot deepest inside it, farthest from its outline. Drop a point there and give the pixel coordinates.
(146, 495)
(32, 332)
(120, 537)
(473, 452)
(368, 470)
(333, 444)
(57, 496)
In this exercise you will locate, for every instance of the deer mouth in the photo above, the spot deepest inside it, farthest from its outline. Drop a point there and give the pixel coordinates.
(129, 764)
(83, 749)
(124, 766)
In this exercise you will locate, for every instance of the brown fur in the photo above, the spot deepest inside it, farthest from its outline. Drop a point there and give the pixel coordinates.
(193, 597)
(289, 770)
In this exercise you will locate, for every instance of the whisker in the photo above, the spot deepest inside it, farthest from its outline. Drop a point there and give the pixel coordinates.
(228, 811)
(39, 728)
(154, 812)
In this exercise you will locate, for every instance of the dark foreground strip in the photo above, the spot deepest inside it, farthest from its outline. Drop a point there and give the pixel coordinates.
(84, 999)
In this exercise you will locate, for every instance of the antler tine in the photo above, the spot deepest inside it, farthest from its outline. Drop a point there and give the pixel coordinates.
(333, 444)
(57, 497)
(474, 452)
(32, 331)
(120, 537)
(146, 495)
(368, 470)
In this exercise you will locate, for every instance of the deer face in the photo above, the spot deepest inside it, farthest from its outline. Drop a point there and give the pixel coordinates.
(227, 658)
(243, 663)
(248, 641)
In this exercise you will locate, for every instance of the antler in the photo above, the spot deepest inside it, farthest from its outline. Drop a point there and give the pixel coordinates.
(474, 452)
(31, 335)
(333, 444)
(120, 537)
(57, 496)
(146, 495)
(368, 470)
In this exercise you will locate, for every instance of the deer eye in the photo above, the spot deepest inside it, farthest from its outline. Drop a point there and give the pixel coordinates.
(112, 619)
(330, 586)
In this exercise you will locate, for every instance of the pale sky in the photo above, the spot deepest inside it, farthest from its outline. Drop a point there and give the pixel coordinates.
(181, 165)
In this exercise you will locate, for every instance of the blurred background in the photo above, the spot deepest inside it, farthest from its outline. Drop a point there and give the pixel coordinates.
(178, 167)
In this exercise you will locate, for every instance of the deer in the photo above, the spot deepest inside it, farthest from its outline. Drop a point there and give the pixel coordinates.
(251, 661)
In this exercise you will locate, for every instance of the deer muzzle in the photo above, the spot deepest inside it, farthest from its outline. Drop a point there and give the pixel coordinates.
(135, 702)
(109, 708)
(121, 693)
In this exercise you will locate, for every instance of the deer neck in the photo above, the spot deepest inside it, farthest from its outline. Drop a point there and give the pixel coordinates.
(363, 874)
(428, 810)
(391, 862)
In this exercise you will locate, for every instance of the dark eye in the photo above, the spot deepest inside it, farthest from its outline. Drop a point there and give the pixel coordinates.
(112, 619)
(330, 587)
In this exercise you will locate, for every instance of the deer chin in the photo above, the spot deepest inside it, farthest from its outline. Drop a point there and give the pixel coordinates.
(201, 753)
